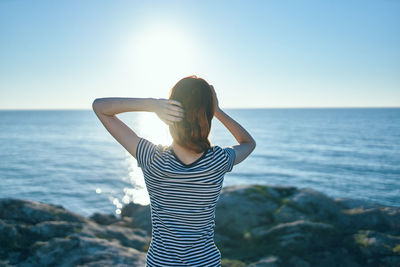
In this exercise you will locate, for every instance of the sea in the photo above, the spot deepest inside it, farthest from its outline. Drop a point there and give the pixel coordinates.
(67, 157)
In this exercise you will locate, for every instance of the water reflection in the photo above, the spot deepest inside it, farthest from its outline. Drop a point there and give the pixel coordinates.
(149, 126)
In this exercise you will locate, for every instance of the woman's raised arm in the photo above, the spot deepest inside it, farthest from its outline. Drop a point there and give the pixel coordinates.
(114, 105)
(107, 108)
(246, 142)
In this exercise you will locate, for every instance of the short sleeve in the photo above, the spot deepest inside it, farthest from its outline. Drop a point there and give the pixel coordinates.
(229, 156)
(145, 152)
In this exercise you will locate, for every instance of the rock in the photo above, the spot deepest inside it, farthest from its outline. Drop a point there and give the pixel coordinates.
(104, 219)
(253, 206)
(298, 262)
(302, 227)
(361, 214)
(379, 249)
(232, 263)
(392, 215)
(81, 250)
(315, 204)
(376, 244)
(299, 237)
(390, 261)
(360, 218)
(140, 215)
(255, 225)
(270, 261)
(33, 212)
(38, 234)
(288, 214)
(349, 203)
(47, 230)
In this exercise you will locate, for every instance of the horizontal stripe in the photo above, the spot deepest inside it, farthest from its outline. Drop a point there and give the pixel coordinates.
(182, 201)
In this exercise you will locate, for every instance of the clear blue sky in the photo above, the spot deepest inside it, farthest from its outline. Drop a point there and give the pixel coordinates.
(63, 54)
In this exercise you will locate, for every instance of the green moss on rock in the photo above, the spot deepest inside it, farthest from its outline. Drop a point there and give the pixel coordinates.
(361, 239)
(396, 249)
(38, 244)
(232, 263)
(101, 236)
(147, 246)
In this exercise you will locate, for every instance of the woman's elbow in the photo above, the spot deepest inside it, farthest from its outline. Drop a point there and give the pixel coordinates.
(95, 105)
(254, 144)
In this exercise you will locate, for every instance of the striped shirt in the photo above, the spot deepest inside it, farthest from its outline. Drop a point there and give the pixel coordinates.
(182, 201)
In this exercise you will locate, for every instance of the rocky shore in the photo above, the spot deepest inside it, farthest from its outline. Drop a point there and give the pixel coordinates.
(256, 226)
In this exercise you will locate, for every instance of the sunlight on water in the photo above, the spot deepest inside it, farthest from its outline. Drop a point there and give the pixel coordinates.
(152, 128)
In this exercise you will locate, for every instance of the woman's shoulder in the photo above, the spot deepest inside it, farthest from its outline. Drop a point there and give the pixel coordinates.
(150, 148)
(224, 151)
(226, 155)
(217, 150)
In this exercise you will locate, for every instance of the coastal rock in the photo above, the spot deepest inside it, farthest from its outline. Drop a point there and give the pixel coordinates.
(256, 226)
(270, 261)
(84, 251)
(295, 237)
(242, 208)
(365, 219)
(303, 227)
(104, 219)
(377, 246)
(32, 212)
(140, 215)
(350, 203)
(315, 204)
(38, 234)
(288, 214)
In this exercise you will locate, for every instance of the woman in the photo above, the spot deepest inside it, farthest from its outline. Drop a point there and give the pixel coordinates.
(184, 180)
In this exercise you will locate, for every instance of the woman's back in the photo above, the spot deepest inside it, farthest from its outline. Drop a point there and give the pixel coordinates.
(183, 199)
(182, 196)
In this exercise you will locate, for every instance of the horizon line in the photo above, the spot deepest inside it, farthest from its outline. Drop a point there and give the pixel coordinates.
(82, 109)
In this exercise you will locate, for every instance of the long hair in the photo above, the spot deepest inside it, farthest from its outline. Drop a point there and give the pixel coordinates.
(199, 103)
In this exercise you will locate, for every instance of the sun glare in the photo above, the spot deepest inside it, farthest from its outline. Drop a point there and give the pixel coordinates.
(160, 55)
(156, 59)
(156, 131)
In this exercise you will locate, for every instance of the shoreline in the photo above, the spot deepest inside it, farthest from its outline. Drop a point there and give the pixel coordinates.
(256, 225)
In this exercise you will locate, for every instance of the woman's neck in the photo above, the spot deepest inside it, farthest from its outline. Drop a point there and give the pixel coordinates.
(185, 155)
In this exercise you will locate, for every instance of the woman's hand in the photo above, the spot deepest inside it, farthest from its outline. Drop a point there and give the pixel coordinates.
(169, 110)
(216, 98)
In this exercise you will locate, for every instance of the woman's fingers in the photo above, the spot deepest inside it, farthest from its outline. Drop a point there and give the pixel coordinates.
(176, 110)
(175, 102)
(215, 95)
(170, 119)
(174, 118)
(175, 105)
(176, 113)
(172, 111)
(172, 105)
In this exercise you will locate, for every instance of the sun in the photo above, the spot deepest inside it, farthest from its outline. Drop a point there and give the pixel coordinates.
(162, 54)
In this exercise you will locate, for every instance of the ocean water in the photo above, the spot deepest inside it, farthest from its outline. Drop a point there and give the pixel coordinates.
(67, 157)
